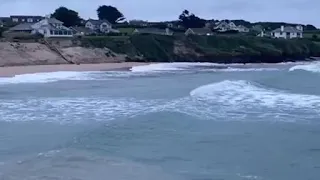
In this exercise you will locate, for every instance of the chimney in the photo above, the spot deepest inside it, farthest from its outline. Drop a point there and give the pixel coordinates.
(282, 28)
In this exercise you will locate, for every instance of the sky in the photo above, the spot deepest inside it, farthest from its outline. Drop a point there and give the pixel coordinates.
(293, 11)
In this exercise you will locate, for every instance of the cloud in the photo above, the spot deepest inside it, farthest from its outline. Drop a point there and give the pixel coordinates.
(297, 11)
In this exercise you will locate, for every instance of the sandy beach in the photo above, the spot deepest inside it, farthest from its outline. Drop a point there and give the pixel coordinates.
(17, 70)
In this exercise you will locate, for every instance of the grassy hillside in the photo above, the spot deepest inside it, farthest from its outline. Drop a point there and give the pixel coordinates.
(224, 49)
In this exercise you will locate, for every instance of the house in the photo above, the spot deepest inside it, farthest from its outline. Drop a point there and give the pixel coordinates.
(103, 26)
(51, 27)
(158, 31)
(26, 19)
(199, 31)
(288, 32)
(224, 26)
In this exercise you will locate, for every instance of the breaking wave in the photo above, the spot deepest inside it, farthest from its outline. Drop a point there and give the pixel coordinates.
(170, 67)
(244, 93)
(314, 67)
(226, 100)
(178, 67)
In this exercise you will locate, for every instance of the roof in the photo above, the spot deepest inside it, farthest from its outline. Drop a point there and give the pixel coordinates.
(98, 22)
(288, 29)
(25, 16)
(201, 30)
(54, 21)
(51, 27)
(22, 27)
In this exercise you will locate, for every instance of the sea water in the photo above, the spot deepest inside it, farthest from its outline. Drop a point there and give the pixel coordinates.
(192, 121)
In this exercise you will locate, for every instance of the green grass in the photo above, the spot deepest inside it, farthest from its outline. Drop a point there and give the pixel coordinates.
(128, 31)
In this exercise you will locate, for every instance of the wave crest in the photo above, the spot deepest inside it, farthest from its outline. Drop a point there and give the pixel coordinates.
(246, 93)
(314, 67)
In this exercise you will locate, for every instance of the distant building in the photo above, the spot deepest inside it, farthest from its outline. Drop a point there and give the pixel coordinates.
(288, 32)
(224, 26)
(26, 19)
(103, 26)
(199, 31)
(51, 27)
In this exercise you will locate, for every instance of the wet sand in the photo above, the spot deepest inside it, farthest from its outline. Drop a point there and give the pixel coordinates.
(17, 70)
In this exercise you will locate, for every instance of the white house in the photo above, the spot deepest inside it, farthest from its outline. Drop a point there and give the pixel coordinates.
(224, 26)
(99, 25)
(51, 27)
(288, 32)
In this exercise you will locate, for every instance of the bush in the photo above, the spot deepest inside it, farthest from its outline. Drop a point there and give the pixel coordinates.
(314, 36)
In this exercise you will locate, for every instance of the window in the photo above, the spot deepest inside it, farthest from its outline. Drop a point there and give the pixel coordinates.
(288, 33)
(15, 20)
(29, 20)
(69, 33)
(299, 34)
(56, 32)
(22, 20)
(51, 32)
(280, 33)
(65, 32)
(60, 33)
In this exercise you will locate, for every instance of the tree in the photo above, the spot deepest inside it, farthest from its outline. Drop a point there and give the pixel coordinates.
(110, 13)
(310, 27)
(314, 36)
(189, 20)
(67, 16)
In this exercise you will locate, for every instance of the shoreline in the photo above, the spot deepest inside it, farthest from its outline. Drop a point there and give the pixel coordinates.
(11, 71)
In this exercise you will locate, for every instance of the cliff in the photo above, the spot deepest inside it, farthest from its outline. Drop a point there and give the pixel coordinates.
(157, 48)
(19, 54)
(218, 49)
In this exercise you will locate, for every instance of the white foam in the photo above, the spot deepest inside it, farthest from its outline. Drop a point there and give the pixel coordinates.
(313, 67)
(230, 69)
(74, 110)
(168, 67)
(243, 93)
(47, 77)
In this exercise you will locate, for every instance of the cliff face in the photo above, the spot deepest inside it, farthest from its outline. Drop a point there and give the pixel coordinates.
(14, 54)
(19, 54)
(218, 49)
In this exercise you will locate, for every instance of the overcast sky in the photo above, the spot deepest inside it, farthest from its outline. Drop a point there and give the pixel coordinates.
(295, 11)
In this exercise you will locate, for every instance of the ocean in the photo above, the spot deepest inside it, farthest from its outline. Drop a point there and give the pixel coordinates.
(175, 121)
